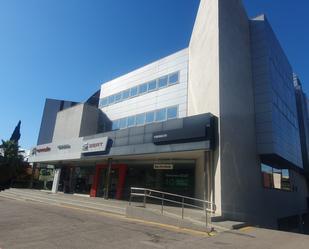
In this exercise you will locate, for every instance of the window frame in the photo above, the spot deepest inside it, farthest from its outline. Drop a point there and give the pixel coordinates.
(171, 75)
(160, 87)
(156, 85)
(141, 86)
(153, 120)
(131, 89)
(134, 124)
(156, 113)
(136, 119)
(169, 108)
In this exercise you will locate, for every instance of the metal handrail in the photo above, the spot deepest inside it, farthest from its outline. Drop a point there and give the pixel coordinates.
(208, 207)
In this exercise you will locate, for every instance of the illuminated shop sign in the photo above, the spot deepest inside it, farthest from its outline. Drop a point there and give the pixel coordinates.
(95, 145)
(64, 147)
(163, 166)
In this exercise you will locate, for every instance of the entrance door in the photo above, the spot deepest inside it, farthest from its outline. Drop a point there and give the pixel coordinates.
(115, 181)
(101, 183)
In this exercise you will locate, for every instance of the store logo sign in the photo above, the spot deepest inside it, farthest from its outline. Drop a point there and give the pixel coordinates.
(160, 136)
(44, 149)
(95, 145)
(64, 147)
(163, 166)
(85, 146)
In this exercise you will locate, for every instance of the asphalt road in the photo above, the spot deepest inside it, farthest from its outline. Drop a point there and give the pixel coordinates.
(33, 225)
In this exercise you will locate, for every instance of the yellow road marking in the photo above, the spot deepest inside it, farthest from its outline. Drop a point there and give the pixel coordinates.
(245, 228)
(150, 223)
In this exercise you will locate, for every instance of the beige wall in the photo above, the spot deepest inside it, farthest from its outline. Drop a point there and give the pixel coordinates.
(78, 121)
(240, 172)
(220, 82)
(203, 86)
(68, 123)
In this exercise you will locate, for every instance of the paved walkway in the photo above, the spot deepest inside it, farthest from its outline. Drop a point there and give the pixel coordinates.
(113, 206)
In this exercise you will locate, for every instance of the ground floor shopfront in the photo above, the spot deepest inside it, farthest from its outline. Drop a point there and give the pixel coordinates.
(114, 179)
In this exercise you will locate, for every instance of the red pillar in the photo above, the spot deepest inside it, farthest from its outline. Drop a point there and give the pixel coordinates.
(94, 187)
(121, 181)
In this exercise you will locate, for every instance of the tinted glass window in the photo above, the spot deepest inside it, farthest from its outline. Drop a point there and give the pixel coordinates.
(104, 102)
(142, 88)
(115, 125)
(125, 94)
(161, 115)
(276, 178)
(133, 91)
(111, 99)
(140, 119)
(118, 97)
(152, 85)
(172, 112)
(123, 123)
(173, 78)
(162, 82)
(131, 121)
(150, 117)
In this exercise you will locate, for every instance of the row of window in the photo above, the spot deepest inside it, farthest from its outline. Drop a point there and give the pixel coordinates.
(162, 82)
(274, 178)
(146, 118)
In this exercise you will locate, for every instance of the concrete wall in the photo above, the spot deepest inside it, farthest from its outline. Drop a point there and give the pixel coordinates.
(240, 170)
(51, 108)
(90, 121)
(203, 84)
(165, 97)
(68, 123)
(221, 82)
(78, 121)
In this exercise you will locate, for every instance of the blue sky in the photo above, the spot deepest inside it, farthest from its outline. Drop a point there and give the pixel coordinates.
(65, 49)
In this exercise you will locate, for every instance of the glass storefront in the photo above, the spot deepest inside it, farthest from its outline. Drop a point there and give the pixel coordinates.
(94, 180)
(179, 180)
(76, 179)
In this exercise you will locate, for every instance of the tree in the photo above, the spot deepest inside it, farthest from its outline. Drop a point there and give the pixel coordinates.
(10, 163)
(16, 133)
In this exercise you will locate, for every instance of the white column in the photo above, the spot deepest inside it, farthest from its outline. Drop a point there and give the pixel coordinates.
(56, 180)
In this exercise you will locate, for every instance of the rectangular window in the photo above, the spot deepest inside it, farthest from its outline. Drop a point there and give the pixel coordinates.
(125, 94)
(133, 91)
(115, 125)
(118, 97)
(150, 117)
(131, 121)
(104, 102)
(162, 82)
(161, 115)
(142, 88)
(275, 178)
(172, 112)
(111, 99)
(122, 123)
(140, 119)
(173, 78)
(152, 85)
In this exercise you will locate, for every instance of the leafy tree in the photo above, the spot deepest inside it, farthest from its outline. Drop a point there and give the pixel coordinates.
(10, 162)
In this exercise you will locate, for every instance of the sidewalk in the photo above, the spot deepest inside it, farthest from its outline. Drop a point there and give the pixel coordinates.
(115, 206)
